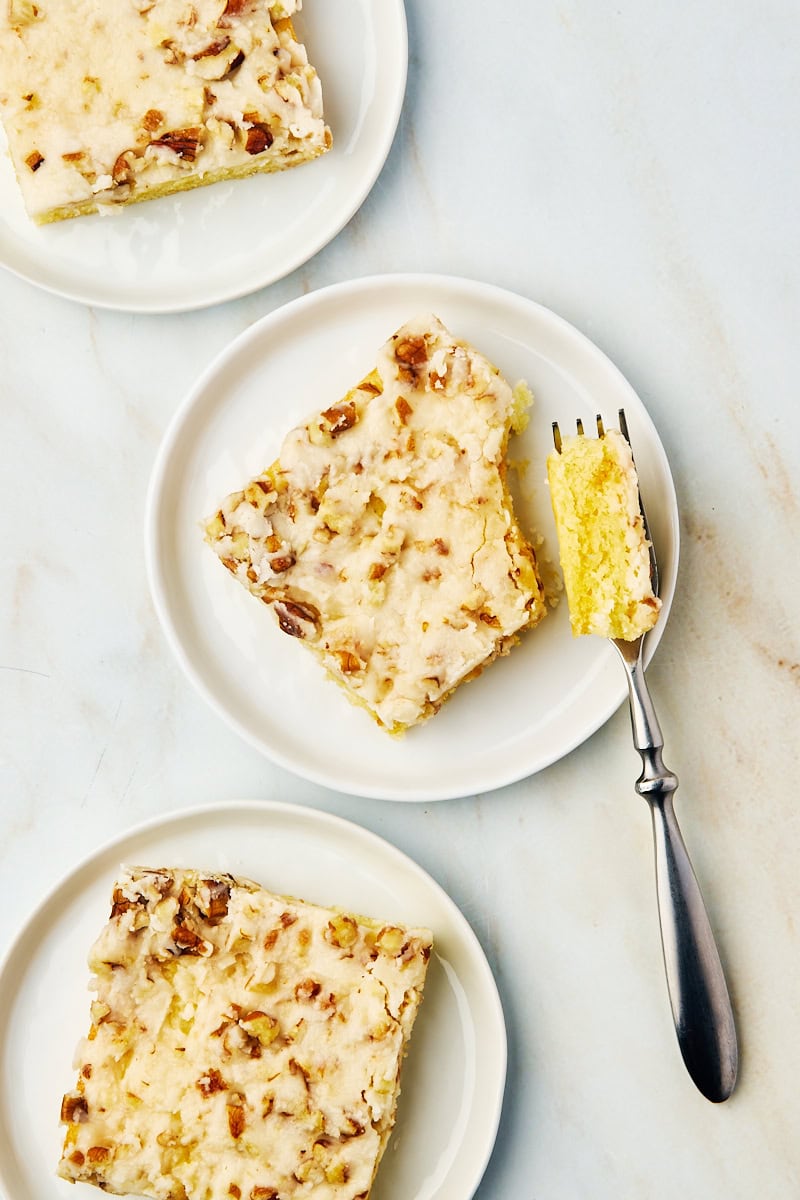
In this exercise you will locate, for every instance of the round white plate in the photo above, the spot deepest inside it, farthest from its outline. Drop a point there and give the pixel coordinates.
(219, 242)
(453, 1077)
(526, 710)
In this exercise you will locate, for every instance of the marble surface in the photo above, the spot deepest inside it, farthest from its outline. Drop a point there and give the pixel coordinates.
(644, 185)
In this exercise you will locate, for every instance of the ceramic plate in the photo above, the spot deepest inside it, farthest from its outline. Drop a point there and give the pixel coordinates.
(453, 1077)
(523, 713)
(216, 243)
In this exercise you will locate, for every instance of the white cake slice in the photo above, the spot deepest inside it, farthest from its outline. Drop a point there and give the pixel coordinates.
(105, 104)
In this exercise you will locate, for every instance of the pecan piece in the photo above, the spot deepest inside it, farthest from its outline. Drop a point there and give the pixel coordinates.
(295, 618)
(340, 417)
(213, 48)
(236, 1121)
(183, 142)
(152, 120)
(189, 942)
(211, 1082)
(307, 989)
(349, 663)
(122, 171)
(259, 138)
(404, 409)
(219, 893)
(74, 1109)
(281, 564)
(412, 351)
(34, 160)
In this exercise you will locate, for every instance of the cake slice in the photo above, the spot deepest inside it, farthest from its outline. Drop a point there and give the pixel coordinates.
(603, 548)
(105, 104)
(384, 537)
(243, 1046)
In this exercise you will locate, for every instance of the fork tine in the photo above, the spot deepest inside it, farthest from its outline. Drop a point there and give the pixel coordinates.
(623, 425)
(556, 437)
(579, 423)
(600, 430)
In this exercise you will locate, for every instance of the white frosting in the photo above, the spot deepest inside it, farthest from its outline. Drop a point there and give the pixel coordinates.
(253, 1041)
(396, 533)
(175, 87)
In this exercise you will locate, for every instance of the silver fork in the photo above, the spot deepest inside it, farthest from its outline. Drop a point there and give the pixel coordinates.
(701, 1007)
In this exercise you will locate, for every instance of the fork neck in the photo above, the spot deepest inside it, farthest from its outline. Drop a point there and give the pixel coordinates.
(646, 729)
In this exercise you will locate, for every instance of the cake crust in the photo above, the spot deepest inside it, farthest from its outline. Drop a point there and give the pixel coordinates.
(243, 1046)
(107, 105)
(384, 537)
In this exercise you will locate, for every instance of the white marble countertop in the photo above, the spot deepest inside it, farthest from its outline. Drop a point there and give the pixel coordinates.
(643, 184)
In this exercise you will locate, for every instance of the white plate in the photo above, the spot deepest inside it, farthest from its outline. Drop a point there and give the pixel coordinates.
(453, 1077)
(528, 709)
(219, 242)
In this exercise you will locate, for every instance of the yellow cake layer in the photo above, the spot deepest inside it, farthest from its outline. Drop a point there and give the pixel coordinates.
(603, 550)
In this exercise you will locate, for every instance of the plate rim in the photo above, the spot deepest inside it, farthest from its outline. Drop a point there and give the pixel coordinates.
(464, 286)
(318, 818)
(313, 246)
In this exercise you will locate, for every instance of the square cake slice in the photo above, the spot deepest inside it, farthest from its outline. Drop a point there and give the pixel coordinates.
(604, 553)
(243, 1046)
(107, 103)
(384, 537)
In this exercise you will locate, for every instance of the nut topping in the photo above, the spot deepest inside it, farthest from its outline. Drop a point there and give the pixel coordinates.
(340, 417)
(412, 351)
(183, 142)
(259, 138)
(74, 1109)
(298, 620)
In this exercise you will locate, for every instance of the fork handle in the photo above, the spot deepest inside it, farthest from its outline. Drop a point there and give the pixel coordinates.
(701, 1007)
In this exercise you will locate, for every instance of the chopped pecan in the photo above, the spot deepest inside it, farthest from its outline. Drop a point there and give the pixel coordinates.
(263, 1193)
(219, 894)
(412, 351)
(295, 618)
(259, 138)
(34, 160)
(236, 1120)
(152, 120)
(235, 64)
(74, 1109)
(122, 171)
(404, 409)
(120, 903)
(340, 417)
(233, 8)
(98, 1154)
(183, 142)
(377, 570)
(213, 48)
(349, 663)
(211, 1082)
(282, 563)
(307, 989)
(189, 942)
